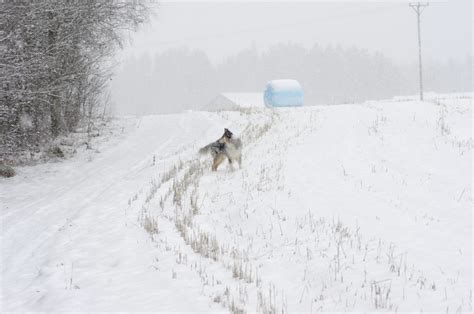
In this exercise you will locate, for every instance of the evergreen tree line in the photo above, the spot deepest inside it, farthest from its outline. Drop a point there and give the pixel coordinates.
(55, 60)
(185, 79)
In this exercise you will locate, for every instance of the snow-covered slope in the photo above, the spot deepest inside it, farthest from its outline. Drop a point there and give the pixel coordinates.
(342, 208)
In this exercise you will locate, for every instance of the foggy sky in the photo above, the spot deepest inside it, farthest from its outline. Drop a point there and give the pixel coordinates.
(224, 29)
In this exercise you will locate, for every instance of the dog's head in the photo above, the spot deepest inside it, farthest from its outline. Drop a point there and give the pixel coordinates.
(228, 134)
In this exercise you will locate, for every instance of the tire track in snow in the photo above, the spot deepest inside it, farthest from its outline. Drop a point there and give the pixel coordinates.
(230, 284)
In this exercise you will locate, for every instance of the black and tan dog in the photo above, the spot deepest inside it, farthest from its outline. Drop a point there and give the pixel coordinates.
(226, 147)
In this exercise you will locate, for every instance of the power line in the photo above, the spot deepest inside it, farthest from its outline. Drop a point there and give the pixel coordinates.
(419, 7)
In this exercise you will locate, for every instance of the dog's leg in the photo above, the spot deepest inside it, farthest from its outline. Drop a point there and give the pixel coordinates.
(217, 161)
(231, 165)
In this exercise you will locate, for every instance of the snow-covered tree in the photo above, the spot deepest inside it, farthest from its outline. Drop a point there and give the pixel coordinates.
(55, 59)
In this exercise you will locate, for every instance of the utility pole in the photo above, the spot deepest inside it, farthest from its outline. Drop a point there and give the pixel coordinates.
(418, 8)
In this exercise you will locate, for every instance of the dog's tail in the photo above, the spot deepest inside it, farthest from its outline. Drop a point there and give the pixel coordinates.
(205, 149)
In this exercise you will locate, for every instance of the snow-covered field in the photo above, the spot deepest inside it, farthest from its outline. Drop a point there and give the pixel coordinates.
(363, 207)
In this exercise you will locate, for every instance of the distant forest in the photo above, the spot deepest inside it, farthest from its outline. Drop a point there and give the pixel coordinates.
(181, 79)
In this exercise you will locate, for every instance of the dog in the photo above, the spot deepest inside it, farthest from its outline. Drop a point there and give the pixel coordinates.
(227, 146)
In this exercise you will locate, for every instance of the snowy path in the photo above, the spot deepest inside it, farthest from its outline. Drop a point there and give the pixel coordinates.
(65, 226)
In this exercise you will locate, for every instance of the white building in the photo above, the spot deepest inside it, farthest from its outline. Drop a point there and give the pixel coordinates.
(235, 101)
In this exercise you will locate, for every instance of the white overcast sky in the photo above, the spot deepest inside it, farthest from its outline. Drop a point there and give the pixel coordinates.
(224, 28)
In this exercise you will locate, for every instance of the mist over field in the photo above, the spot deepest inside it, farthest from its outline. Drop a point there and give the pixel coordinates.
(340, 53)
(183, 78)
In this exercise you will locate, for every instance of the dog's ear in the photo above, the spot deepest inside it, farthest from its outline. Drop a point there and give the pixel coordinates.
(227, 133)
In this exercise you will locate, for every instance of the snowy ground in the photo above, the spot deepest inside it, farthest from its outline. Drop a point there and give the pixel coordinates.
(342, 208)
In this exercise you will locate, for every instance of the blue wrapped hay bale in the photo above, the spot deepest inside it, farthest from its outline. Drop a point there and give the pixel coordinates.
(283, 93)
